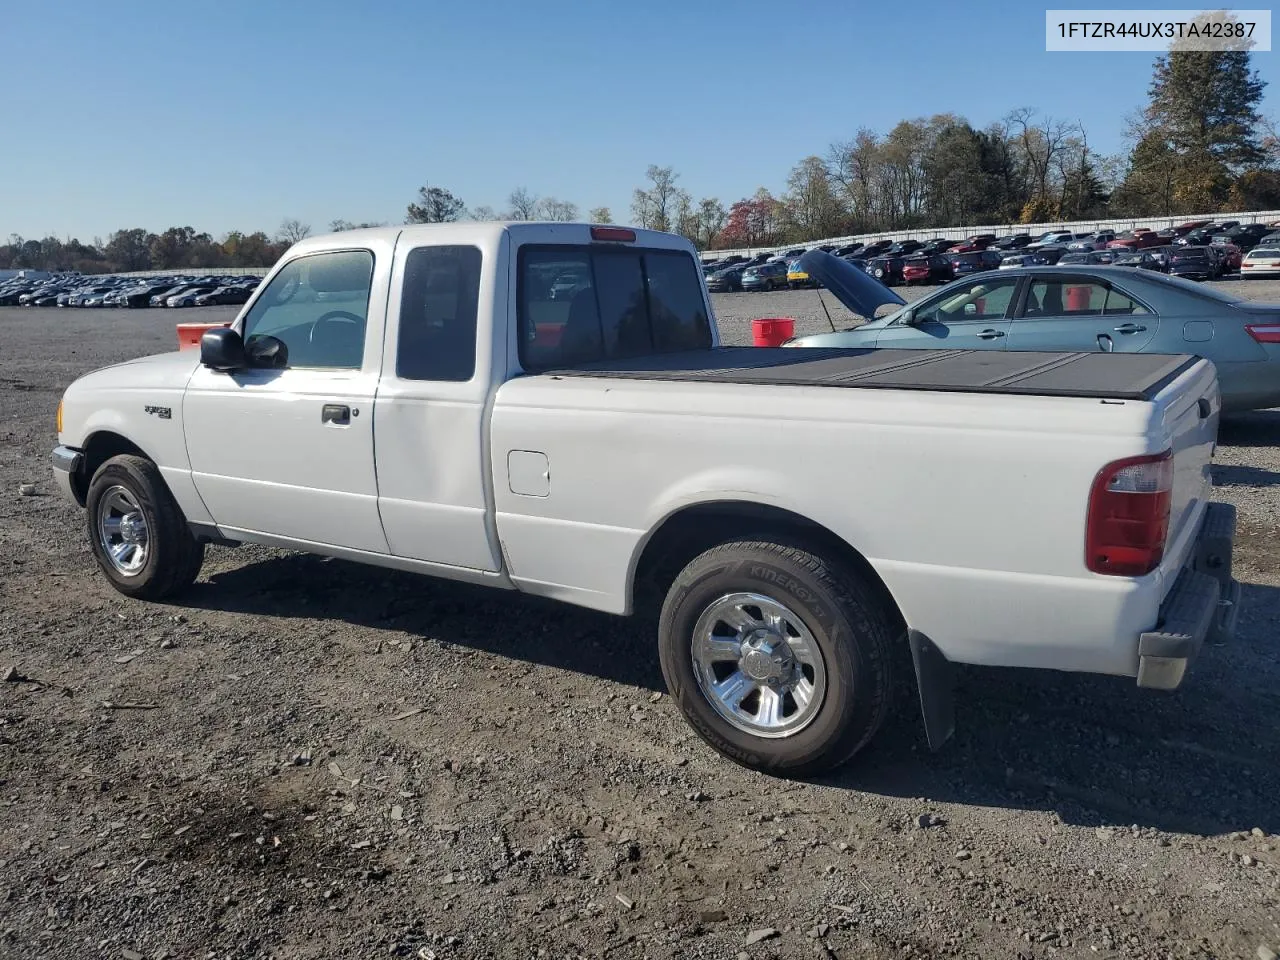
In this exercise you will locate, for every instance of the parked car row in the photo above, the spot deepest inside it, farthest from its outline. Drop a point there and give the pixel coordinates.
(74, 290)
(1198, 249)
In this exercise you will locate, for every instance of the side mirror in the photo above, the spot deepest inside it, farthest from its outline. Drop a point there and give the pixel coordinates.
(970, 309)
(222, 349)
(266, 352)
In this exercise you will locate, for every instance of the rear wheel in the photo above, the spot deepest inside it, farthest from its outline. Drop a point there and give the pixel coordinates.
(778, 658)
(138, 533)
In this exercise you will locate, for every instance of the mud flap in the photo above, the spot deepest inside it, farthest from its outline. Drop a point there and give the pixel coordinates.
(936, 682)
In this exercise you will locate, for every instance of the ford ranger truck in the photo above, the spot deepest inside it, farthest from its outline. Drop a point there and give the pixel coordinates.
(798, 522)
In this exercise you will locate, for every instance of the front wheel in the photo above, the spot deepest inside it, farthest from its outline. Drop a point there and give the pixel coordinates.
(137, 531)
(778, 658)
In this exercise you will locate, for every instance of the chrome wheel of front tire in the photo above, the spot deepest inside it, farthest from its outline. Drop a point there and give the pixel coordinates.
(758, 665)
(122, 530)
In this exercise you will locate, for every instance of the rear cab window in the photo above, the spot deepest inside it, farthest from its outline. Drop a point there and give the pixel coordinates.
(581, 304)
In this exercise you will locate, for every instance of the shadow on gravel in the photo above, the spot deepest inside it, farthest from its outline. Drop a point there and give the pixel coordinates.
(1236, 475)
(1204, 759)
(1259, 428)
(1096, 750)
(499, 622)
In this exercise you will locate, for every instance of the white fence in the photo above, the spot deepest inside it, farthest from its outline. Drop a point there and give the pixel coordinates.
(1075, 226)
(199, 271)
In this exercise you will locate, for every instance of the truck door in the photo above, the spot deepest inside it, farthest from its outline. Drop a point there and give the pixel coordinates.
(289, 452)
(430, 415)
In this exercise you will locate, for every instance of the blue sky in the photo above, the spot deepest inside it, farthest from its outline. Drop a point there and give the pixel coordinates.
(235, 115)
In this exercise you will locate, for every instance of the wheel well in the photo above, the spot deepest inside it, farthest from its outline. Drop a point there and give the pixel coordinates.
(100, 448)
(696, 529)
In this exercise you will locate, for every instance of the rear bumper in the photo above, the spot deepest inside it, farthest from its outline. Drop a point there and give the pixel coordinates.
(1203, 604)
(66, 468)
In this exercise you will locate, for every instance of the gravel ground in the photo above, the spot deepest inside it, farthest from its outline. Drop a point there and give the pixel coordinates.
(350, 762)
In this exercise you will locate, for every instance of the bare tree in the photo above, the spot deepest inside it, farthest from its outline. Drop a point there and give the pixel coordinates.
(1041, 144)
(654, 207)
(524, 205)
(853, 164)
(484, 213)
(712, 217)
(684, 217)
(553, 209)
(600, 215)
(292, 230)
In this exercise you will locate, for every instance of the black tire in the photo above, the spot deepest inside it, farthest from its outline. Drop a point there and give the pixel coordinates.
(851, 629)
(174, 556)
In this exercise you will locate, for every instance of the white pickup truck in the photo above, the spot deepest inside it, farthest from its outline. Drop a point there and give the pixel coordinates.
(546, 408)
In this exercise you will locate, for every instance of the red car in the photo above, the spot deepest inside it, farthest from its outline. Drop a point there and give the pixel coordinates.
(1137, 239)
(978, 242)
(1231, 256)
(932, 269)
(1183, 229)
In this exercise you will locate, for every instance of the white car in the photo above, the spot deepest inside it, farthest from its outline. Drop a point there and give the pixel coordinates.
(1054, 238)
(793, 519)
(1260, 262)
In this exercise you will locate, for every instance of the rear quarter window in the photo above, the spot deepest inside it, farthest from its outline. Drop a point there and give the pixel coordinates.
(621, 302)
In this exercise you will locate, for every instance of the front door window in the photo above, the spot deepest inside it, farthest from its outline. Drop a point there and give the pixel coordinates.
(318, 305)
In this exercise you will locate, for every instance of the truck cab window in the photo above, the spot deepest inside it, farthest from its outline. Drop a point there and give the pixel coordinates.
(318, 306)
(438, 307)
(580, 304)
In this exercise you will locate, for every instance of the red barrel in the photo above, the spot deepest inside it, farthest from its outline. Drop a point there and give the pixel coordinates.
(772, 331)
(189, 334)
(547, 334)
(1078, 299)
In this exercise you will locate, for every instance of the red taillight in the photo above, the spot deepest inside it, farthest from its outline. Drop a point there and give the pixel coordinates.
(1264, 332)
(613, 233)
(1128, 518)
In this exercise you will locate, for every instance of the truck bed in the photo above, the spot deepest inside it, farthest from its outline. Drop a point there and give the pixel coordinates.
(1120, 376)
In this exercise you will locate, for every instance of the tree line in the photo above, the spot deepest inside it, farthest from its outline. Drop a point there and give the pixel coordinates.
(1199, 145)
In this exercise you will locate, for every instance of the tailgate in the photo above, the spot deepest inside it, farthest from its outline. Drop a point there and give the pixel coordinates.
(1187, 412)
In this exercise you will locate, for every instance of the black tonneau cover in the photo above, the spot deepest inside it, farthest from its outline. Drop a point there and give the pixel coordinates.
(1120, 376)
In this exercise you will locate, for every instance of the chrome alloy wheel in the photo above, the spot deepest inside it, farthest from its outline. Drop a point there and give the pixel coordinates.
(758, 665)
(122, 530)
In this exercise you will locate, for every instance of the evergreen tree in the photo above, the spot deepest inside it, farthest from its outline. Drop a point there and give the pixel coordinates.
(1206, 102)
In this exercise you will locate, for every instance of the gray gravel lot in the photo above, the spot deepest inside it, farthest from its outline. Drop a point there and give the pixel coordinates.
(349, 762)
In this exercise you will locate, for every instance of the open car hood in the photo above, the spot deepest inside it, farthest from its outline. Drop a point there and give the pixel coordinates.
(860, 292)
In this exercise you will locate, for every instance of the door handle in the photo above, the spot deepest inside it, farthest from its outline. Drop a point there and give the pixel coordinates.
(1129, 328)
(990, 334)
(335, 413)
